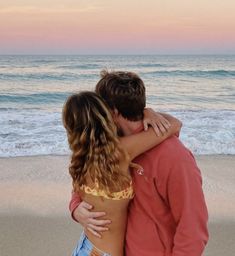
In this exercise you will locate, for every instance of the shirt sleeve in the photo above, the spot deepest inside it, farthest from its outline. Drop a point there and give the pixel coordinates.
(188, 207)
(74, 202)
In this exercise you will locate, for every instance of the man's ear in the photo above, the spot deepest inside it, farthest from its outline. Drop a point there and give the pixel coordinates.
(114, 113)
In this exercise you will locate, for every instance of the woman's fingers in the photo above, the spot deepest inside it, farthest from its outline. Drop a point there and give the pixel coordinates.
(145, 125)
(156, 128)
(152, 123)
(167, 124)
(161, 128)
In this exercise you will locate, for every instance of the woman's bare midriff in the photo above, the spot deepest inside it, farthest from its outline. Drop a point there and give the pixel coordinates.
(112, 241)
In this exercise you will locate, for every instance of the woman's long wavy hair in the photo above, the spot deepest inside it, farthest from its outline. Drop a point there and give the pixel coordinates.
(93, 140)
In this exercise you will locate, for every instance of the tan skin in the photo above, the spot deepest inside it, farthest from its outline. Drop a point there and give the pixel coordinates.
(112, 241)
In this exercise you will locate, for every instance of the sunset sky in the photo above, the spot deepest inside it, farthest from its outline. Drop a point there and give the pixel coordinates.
(117, 27)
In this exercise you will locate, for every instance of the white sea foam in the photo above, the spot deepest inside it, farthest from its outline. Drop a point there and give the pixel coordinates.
(208, 132)
(42, 133)
(32, 133)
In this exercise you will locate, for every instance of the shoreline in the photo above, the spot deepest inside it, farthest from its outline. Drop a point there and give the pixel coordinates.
(68, 155)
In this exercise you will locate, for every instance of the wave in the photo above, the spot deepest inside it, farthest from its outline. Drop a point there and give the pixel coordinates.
(79, 66)
(195, 73)
(40, 61)
(150, 65)
(2, 109)
(34, 98)
(45, 76)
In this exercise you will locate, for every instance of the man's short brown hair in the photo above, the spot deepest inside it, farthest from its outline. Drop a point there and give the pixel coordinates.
(124, 91)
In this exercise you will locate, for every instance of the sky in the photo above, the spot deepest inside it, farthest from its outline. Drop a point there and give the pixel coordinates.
(117, 27)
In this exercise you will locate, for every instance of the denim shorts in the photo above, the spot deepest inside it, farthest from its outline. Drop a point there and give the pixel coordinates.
(86, 248)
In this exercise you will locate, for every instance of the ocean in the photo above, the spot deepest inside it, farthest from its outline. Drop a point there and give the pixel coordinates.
(199, 90)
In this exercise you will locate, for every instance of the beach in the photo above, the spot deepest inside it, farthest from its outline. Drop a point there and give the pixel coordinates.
(35, 192)
(35, 184)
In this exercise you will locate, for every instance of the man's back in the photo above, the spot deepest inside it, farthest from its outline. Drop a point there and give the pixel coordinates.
(168, 215)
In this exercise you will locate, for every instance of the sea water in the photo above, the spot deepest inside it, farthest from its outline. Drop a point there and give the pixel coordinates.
(199, 90)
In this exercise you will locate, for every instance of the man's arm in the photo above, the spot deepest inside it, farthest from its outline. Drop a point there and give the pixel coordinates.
(82, 212)
(188, 207)
(74, 203)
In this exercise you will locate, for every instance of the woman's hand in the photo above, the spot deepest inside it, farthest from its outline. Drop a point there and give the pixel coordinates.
(159, 123)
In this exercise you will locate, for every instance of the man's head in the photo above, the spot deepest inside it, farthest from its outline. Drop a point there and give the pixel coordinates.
(123, 92)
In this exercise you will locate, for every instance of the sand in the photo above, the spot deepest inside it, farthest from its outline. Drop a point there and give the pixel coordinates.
(35, 191)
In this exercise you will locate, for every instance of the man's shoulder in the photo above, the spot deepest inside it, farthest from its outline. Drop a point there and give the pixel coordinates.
(170, 151)
(169, 147)
(170, 156)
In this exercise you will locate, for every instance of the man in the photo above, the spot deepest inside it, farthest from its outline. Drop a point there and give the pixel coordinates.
(168, 215)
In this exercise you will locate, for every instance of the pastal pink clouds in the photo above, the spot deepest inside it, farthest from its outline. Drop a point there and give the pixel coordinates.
(124, 26)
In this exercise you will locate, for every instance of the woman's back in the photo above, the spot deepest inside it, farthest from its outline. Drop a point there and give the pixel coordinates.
(115, 206)
(112, 241)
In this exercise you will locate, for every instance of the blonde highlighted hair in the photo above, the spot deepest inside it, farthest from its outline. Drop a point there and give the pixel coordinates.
(93, 140)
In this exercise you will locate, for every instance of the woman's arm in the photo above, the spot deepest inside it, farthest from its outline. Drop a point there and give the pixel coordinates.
(137, 144)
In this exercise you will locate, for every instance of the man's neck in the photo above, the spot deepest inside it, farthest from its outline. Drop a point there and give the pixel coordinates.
(130, 127)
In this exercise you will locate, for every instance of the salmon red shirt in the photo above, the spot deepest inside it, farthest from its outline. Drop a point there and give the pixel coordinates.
(168, 215)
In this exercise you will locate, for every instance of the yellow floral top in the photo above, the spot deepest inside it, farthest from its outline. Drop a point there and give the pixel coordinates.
(127, 193)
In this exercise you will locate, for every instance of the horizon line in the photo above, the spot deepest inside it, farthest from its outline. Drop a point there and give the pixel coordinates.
(116, 54)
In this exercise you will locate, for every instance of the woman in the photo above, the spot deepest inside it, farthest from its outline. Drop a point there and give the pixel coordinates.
(100, 166)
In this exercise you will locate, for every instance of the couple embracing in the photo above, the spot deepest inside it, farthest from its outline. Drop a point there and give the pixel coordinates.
(137, 190)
